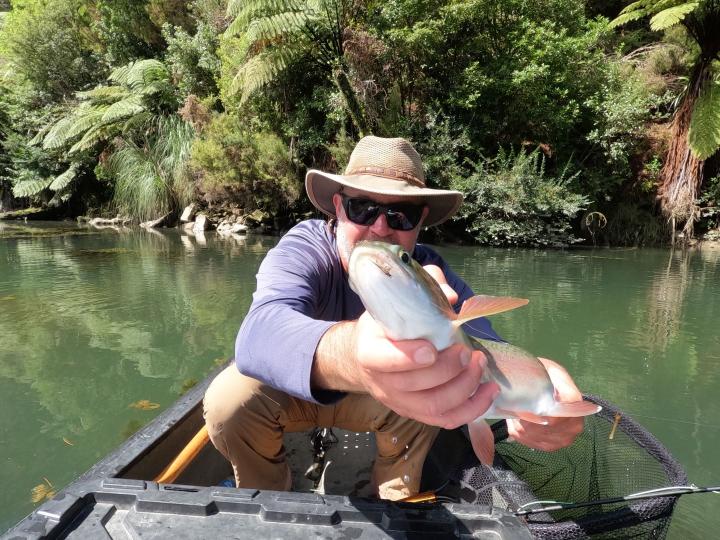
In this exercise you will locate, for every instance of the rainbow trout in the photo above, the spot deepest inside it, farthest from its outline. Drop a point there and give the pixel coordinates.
(409, 304)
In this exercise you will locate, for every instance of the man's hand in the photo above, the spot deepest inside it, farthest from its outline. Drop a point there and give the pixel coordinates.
(559, 432)
(410, 377)
(416, 381)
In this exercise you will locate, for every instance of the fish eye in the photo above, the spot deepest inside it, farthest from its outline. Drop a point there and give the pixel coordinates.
(405, 257)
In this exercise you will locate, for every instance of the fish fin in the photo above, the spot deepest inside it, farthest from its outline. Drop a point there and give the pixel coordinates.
(575, 408)
(482, 440)
(482, 306)
(525, 415)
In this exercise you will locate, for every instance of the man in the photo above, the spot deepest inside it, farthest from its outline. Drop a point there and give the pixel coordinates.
(307, 355)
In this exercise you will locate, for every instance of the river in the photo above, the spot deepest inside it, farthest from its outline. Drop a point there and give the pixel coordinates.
(94, 322)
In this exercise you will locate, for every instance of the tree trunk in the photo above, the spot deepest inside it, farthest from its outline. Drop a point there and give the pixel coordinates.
(682, 173)
(353, 106)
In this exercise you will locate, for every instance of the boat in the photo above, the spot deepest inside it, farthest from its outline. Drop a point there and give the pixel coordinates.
(165, 481)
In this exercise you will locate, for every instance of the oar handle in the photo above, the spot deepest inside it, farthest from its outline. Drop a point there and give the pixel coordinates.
(184, 458)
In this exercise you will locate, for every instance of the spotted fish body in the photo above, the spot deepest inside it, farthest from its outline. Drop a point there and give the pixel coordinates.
(409, 304)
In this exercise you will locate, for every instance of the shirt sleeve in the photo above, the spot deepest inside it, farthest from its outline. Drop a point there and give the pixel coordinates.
(480, 328)
(277, 340)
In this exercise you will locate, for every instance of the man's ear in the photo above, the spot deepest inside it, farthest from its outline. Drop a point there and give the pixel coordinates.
(337, 203)
(425, 213)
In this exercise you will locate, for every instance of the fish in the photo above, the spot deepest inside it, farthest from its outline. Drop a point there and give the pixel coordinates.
(409, 304)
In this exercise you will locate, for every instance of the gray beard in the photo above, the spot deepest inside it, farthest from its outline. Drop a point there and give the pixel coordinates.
(343, 245)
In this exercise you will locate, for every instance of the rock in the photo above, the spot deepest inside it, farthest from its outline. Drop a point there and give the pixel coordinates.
(201, 224)
(188, 214)
(188, 226)
(228, 227)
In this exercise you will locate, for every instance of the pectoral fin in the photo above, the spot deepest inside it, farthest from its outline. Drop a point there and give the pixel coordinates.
(575, 408)
(482, 306)
(483, 441)
(525, 415)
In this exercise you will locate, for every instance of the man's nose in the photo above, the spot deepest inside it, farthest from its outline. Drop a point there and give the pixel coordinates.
(380, 226)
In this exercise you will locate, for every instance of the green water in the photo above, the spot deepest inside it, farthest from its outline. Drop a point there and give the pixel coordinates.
(92, 322)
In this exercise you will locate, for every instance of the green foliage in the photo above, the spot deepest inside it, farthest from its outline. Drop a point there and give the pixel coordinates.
(623, 107)
(48, 44)
(193, 59)
(276, 34)
(151, 177)
(125, 28)
(704, 134)
(142, 89)
(509, 200)
(701, 20)
(252, 167)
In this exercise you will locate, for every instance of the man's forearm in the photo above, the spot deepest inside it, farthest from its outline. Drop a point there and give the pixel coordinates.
(334, 366)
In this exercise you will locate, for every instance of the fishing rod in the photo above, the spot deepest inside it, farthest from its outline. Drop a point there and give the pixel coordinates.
(670, 491)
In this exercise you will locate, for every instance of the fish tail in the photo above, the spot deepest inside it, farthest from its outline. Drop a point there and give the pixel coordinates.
(483, 441)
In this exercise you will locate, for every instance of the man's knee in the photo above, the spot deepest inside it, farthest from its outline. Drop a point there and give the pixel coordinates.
(232, 401)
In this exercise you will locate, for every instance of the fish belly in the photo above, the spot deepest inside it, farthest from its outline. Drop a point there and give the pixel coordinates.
(524, 382)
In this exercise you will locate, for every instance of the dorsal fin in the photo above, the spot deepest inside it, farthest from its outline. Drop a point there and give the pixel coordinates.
(482, 306)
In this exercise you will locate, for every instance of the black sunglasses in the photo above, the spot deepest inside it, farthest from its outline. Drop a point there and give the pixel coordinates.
(400, 216)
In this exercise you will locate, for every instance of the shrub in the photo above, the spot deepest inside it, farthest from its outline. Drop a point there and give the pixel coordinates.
(509, 200)
(255, 167)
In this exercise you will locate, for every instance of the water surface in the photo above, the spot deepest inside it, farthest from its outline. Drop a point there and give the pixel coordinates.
(91, 322)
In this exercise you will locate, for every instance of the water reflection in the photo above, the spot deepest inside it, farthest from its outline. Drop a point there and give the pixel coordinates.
(93, 321)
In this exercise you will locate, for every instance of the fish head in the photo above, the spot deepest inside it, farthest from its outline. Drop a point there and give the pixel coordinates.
(397, 291)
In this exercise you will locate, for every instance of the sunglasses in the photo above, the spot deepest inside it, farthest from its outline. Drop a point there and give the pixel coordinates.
(399, 216)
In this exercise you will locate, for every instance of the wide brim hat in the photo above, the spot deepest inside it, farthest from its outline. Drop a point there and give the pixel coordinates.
(382, 166)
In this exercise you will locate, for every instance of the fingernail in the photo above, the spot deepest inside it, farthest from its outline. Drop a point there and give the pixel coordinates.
(464, 357)
(424, 356)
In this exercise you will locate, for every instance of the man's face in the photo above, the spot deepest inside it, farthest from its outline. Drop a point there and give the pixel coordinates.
(349, 233)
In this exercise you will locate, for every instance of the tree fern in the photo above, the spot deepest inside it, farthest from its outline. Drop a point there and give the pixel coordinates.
(30, 187)
(274, 33)
(671, 16)
(260, 70)
(62, 181)
(704, 134)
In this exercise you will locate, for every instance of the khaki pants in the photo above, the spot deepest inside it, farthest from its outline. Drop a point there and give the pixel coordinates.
(246, 421)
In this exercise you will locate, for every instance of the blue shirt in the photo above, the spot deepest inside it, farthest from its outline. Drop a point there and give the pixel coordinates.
(303, 290)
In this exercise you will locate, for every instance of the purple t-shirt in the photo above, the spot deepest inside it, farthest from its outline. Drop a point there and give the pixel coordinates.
(302, 290)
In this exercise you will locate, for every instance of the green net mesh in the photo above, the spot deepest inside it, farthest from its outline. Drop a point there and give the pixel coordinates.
(594, 467)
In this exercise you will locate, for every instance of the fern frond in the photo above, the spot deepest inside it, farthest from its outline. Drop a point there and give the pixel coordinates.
(62, 181)
(93, 136)
(123, 109)
(28, 188)
(243, 12)
(672, 16)
(56, 137)
(704, 134)
(260, 70)
(140, 73)
(640, 4)
(270, 28)
(137, 121)
(104, 94)
(625, 18)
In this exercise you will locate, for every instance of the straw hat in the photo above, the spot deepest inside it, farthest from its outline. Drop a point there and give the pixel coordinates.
(380, 166)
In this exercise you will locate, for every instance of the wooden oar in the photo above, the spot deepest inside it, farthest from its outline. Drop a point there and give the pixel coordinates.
(184, 458)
